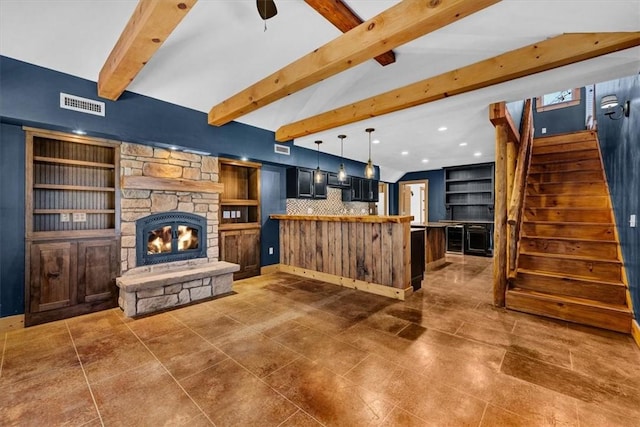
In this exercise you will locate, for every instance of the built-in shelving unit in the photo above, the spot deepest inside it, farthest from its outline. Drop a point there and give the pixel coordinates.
(240, 215)
(72, 225)
(469, 192)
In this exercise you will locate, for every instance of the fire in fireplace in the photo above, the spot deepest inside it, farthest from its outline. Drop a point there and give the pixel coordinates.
(170, 236)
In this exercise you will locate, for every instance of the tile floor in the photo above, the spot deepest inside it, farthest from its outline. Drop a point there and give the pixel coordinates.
(293, 352)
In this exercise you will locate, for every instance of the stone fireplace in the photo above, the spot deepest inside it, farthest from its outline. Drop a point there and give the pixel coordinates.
(169, 229)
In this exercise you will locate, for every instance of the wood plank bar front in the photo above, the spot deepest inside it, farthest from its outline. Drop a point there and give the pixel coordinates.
(370, 253)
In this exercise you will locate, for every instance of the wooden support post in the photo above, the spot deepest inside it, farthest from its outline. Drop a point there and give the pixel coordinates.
(511, 174)
(500, 219)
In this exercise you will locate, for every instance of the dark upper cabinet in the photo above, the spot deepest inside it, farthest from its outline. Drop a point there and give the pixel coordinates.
(469, 192)
(333, 181)
(302, 185)
(362, 190)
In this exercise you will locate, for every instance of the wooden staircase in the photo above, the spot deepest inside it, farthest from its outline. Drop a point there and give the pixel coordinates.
(569, 265)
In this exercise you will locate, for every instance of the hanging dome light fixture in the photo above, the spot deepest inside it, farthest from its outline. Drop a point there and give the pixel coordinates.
(342, 172)
(369, 170)
(318, 173)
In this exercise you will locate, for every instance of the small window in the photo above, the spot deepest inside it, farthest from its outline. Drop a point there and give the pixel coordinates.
(560, 99)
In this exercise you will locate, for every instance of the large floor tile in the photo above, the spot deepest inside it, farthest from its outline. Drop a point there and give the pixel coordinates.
(231, 396)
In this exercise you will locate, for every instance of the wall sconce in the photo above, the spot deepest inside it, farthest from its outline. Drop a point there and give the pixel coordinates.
(612, 109)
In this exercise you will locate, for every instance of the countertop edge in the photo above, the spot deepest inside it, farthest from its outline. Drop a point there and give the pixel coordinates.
(398, 219)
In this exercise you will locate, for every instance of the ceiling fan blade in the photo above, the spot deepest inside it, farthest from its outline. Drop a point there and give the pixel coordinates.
(266, 8)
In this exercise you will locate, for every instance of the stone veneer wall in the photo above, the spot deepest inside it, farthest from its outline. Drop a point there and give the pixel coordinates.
(332, 205)
(135, 204)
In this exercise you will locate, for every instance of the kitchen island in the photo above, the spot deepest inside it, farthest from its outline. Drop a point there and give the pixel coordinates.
(370, 253)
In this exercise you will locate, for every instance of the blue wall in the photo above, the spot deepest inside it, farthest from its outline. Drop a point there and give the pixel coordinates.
(561, 120)
(12, 158)
(31, 97)
(437, 209)
(620, 146)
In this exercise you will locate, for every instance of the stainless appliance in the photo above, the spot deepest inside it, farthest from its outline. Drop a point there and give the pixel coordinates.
(478, 239)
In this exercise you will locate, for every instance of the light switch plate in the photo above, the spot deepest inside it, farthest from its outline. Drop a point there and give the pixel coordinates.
(64, 217)
(79, 217)
(544, 130)
(632, 221)
(270, 251)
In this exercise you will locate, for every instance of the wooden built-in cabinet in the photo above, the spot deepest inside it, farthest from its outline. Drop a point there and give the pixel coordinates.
(72, 225)
(240, 216)
(469, 192)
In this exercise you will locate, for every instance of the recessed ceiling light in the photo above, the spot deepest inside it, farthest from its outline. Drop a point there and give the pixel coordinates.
(477, 154)
(404, 153)
(425, 160)
(463, 144)
(79, 132)
(442, 128)
(244, 158)
(173, 148)
(375, 141)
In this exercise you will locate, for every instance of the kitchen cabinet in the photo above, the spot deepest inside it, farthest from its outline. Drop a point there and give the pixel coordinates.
(333, 181)
(362, 190)
(302, 184)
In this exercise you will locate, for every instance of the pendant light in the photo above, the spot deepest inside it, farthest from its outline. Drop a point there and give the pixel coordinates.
(318, 174)
(369, 170)
(342, 172)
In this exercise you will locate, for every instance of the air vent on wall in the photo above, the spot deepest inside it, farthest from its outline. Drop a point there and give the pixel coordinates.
(282, 149)
(83, 105)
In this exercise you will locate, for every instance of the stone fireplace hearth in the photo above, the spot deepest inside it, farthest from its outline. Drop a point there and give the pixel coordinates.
(182, 190)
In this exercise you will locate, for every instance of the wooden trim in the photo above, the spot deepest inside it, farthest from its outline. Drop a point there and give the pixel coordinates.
(72, 234)
(345, 218)
(571, 103)
(73, 187)
(435, 264)
(270, 269)
(635, 331)
(542, 56)
(498, 114)
(344, 19)
(70, 211)
(170, 184)
(72, 162)
(372, 288)
(149, 26)
(238, 226)
(79, 139)
(426, 198)
(236, 162)
(500, 219)
(401, 23)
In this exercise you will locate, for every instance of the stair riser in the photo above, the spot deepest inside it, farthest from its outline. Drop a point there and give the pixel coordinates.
(592, 269)
(566, 201)
(603, 292)
(566, 166)
(592, 231)
(552, 177)
(569, 156)
(564, 138)
(586, 315)
(581, 188)
(565, 147)
(568, 215)
(602, 250)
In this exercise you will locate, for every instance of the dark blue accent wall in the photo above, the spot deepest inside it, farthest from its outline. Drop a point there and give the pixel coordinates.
(12, 158)
(561, 120)
(437, 210)
(620, 146)
(30, 96)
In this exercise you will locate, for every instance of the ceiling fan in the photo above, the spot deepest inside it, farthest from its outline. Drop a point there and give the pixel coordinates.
(266, 8)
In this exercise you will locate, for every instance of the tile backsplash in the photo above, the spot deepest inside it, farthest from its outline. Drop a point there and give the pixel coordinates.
(332, 205)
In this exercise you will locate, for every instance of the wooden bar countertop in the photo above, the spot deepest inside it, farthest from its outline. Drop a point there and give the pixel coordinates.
(397, 219)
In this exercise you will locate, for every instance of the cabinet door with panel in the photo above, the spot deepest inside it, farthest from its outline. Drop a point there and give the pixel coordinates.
(241, 247)
(320, 186)
(97, 270)
(52, 276)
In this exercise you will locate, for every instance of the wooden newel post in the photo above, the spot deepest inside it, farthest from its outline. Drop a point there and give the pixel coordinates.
(500, 219)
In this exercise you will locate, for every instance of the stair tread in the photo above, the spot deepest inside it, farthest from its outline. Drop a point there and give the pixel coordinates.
(621, 308)
(569, 277)
(568, 223)
(554, 162)
(565, 195)
(591, 181)
(569, 256)
(571, 239)
(579, 208)
(582, 170)
(565, 135)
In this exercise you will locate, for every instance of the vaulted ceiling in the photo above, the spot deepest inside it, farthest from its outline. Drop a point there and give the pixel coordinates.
(221, 47)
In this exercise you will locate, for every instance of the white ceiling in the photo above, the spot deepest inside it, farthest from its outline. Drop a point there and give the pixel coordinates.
(221, 48)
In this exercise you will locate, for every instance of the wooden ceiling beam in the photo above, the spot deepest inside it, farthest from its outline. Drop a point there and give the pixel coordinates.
(344, 19)
(149, 26)
(397, 25)
(546, 55)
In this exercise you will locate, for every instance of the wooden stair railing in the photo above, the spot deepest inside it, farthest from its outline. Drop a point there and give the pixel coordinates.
(517, 196)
